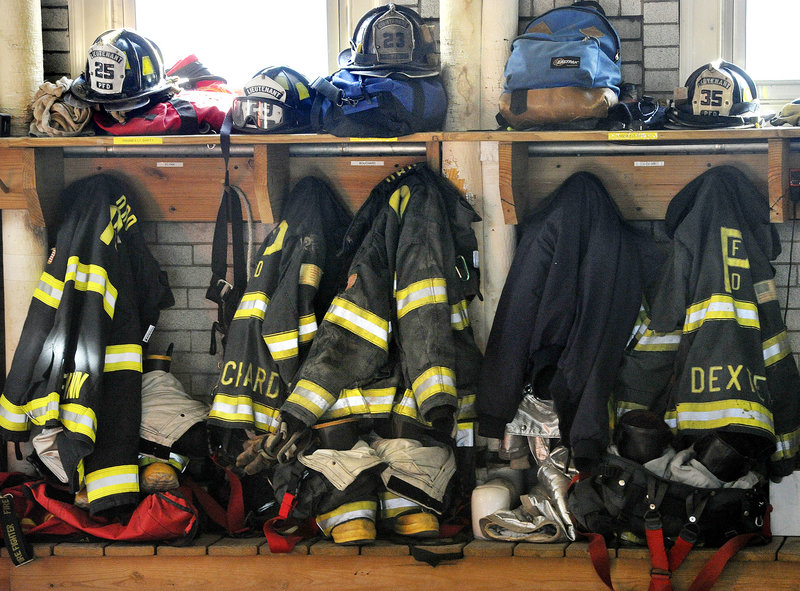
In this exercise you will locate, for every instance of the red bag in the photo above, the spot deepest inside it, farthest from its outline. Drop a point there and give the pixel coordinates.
(159, 516)
(188, 112)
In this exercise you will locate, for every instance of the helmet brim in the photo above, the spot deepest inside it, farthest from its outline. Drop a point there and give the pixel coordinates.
(80, 90)
(346, 61)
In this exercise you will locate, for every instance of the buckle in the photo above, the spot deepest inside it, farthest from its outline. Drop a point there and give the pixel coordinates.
(223, 287)
(660, 572)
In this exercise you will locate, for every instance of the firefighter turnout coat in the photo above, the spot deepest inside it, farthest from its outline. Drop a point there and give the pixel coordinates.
(566, 312)
(397, 340)
(78, 366)
(714, 353)
(275, 322)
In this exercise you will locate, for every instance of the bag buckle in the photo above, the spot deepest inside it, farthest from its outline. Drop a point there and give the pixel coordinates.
(223, 288)
(660, 572)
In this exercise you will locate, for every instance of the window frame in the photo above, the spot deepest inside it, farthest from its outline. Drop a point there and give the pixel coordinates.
(718, 28)
(89, 18)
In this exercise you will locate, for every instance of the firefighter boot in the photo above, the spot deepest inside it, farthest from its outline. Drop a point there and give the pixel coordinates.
(417, 525)
(158, 476)
(354, 532)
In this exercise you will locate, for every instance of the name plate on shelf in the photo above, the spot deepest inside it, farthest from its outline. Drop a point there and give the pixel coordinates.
(632, 135)
(137, 141)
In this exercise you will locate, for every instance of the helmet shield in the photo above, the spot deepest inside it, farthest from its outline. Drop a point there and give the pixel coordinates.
(393, 38)
(106, 65)
(258, 114)
(712, 94)
(275, 99)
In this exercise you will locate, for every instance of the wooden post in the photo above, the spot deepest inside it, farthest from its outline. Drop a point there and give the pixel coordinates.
(498, 28)
(21, 69)
(24, 251)
(460, 34)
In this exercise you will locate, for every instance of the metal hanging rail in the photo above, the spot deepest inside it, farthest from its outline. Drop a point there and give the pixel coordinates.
(243, 151)
(620, 149)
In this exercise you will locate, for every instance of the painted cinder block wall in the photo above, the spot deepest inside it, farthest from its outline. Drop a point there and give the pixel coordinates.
(649, 31)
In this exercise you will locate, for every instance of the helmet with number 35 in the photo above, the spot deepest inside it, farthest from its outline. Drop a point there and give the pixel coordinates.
(391, 39)
(124, 70)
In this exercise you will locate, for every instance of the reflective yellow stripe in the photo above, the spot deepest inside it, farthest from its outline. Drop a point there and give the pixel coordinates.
(465, 435)
(312, 397)
(379, 400)
(459, 317)
(49, 290)
(122, 357)
(392, 505)
(776, 348)
(308, 328)
(79, 419)
(282, 345)
(624, 406)
(721, 307)
(112, 481)
(265, 418)
(787, 446)
(466, 407)
(277, 244)
(421, 293)
(363, 323)
(350, 402)
(721, 413)
(435, 380)
(232, 409)
(659, 341)
(347, 512)
(407, 406)
(43, 409)
(12, 416)
(252, 305)
(108, 234)
(92, 278)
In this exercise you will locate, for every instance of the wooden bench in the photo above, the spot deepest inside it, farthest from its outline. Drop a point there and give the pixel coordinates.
(214, 562)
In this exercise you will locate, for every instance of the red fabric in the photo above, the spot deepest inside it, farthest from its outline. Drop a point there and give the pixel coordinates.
(678, 552)
(161, 516)
(598, 552)
(210, 104)
(283, 535)
(232, 518)
(660, 576)
(712, 569)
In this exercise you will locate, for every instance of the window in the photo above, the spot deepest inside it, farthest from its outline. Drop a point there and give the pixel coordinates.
(757, 35)
(232, 38)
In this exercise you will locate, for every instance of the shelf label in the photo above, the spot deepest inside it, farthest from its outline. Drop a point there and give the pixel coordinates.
(366, 163)
(649, 163)
(632, 135)
(373, 139)
(169, 164)
(133, 141)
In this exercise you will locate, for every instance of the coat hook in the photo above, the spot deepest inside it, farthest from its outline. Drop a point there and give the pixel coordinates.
(3, 187)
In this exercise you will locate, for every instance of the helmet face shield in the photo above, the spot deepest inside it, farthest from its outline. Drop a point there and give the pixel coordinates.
(258, 114)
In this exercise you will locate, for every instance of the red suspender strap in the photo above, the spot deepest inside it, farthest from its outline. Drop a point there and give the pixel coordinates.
(283, 542)
(712, 569)
(598, 552)
(660, 574)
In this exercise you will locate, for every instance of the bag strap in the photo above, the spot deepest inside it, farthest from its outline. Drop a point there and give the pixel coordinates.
(232, 518)
(219, 291)
(187, 114)
(20, 551)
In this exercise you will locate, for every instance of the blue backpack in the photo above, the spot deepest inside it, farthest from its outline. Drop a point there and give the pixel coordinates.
(568, 46)
(353, 105)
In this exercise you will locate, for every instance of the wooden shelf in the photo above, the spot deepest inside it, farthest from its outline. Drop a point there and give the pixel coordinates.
(183, 187)
(247, 564)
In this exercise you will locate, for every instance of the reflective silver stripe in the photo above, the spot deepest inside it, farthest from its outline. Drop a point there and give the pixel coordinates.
(351, 399)
(48, 293)
(116, 482)
(445, 383)
(465, 435)
(380, 403)
(727, 415)
(50, 407)
(240, 411)
(277, 345)
(326, 524)
(466, 407)
(776, 348)
(307, 328)
(77, 418)
(397, 503)
(265, 420)
(252, 304)
(428, 291)
(651, 341)
(87, 277)
(721, 307)
(359, 321)
(310, 396)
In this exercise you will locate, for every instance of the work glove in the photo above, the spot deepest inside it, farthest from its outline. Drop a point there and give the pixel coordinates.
(262, 451)
(442, 420)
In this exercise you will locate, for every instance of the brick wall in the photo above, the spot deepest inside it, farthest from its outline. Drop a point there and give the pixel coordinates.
(55, 38)
(184, 252)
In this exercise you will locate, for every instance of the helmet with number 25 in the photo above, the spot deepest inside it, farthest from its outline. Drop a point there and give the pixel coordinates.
(124, 70)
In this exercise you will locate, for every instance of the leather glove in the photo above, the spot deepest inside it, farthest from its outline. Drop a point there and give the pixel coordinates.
(262, 451)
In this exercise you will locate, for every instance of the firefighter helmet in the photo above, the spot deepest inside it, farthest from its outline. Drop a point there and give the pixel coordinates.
(124, 70)
(391, 39)
(720, 94)
(275, 99)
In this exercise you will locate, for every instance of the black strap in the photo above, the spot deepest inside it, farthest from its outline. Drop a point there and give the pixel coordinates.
(189, 122)
(19, 550)
(222, 293)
